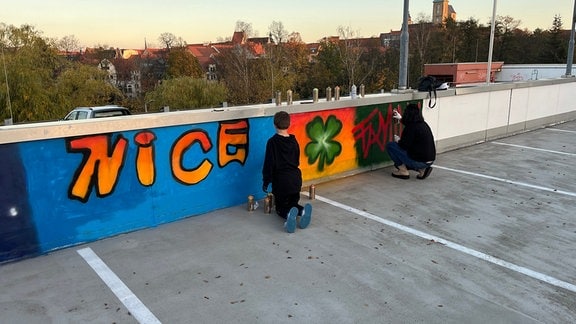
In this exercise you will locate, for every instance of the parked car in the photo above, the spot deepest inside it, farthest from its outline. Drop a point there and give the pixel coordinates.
(97, 112)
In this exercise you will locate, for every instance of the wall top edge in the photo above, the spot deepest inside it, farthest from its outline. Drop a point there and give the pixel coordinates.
(63, 129)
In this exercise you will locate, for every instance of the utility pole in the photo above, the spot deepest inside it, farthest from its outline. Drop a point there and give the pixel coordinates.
(571, 45)
(8, 103)
(493, 27)
(404, 38)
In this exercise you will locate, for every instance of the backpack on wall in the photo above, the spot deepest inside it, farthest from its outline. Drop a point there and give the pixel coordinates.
(429, 84)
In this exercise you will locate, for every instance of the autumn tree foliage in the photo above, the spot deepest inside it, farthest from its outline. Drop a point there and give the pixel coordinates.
(43, 80)
(182, 63)
(39, 84)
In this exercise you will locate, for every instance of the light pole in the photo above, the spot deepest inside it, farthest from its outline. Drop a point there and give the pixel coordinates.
(571, 45)
(404, 38)
(146, 104)
(8, 103)
(492, 28)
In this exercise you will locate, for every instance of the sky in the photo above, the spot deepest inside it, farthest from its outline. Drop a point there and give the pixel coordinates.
(129, 23)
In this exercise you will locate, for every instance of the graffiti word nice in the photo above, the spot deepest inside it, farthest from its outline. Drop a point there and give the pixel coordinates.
(103, 160)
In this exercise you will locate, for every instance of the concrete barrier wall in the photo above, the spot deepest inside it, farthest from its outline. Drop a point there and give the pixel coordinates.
(465, 116)
(66, 183)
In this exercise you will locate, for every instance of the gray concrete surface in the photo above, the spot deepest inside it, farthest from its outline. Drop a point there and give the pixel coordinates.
(488, 238)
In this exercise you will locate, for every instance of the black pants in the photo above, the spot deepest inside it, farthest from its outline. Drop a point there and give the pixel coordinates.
(284, 202)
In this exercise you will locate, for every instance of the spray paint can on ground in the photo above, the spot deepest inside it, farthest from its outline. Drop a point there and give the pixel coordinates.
(251, 203)
(312, 192)
(269, 200)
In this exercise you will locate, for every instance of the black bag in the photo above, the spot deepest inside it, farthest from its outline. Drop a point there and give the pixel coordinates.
(428, 84)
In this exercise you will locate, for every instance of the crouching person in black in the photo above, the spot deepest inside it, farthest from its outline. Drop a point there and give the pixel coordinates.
(414, 149)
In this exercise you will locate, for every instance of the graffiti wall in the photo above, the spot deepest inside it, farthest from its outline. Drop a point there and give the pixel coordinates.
(61, 192)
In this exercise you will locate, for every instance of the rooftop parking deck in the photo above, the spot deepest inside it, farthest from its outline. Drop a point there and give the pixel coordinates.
(489, 237)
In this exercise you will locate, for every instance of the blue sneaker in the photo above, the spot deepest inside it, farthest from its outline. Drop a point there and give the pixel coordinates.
(290, 224)
(306, 216)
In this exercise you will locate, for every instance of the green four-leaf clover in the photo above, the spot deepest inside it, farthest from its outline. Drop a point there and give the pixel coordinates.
(323, 148)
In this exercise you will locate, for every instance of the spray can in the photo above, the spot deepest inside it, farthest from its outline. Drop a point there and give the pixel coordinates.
(312, 192)
(269, 200)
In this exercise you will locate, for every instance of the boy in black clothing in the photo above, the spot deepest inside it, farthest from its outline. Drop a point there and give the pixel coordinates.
(281, 169)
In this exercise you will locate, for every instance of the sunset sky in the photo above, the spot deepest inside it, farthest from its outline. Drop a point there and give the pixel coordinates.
(127, 23)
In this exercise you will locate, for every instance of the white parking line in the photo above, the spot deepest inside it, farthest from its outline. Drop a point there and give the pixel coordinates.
(134, 305)
(531, 273)
(535, 148)
(561, 130)
(518, 183)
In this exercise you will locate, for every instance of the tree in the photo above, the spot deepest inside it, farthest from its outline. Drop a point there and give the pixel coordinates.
(45, 86)
(187, 92)
(350, 52)
(469, 34)
(168, 40)
(31, 65)
(125, 70)
(557, 49)
(324, 70)
(245, 27)
(372, 69)
(83, 85)
(182, 63)
(285, 62)
(295, 52)
(68, 44)
(505, 26)
(277, 32)
(420, 36)
(245, 76)
(390, 72)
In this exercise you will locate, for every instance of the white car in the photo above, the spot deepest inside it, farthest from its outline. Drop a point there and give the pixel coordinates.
(97, 112)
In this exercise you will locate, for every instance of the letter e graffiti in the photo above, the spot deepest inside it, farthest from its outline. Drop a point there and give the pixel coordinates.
(232, 142)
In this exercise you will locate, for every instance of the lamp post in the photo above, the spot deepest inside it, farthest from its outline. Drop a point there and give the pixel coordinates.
(571, 45)
(404, 38)
(8, 103)
(492, 28)
(146, 105)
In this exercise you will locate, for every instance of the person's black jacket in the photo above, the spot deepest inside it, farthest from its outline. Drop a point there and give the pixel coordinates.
(281, 165)
(418, 141)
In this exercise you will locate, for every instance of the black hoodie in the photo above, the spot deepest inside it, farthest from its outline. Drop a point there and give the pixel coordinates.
(281, 165)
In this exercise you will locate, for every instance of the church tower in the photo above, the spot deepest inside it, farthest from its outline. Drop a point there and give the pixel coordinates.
(441, 10)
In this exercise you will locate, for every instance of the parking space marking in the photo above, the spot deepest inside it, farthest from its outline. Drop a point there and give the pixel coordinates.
(535, 148)
(561, 130)
(132, 303)
(480, 255)
(518, 183)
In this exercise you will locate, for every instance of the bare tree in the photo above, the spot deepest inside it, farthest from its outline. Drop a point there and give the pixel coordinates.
(245, 27)
(277, 32)
(507, 24)
(350, 52)
(68, 44)
(420, 35)
(168, 39)
(295, 37)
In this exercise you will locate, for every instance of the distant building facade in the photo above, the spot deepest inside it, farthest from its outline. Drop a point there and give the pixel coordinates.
(442, 10)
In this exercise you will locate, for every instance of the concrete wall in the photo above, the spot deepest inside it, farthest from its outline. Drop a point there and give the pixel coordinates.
(66, 183)
(530, 72)
(465, 116)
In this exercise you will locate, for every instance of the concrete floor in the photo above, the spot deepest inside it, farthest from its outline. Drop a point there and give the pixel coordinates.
(489, 237)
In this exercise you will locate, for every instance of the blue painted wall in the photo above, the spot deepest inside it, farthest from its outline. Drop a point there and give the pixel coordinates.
(61, 192)
(42, 213)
